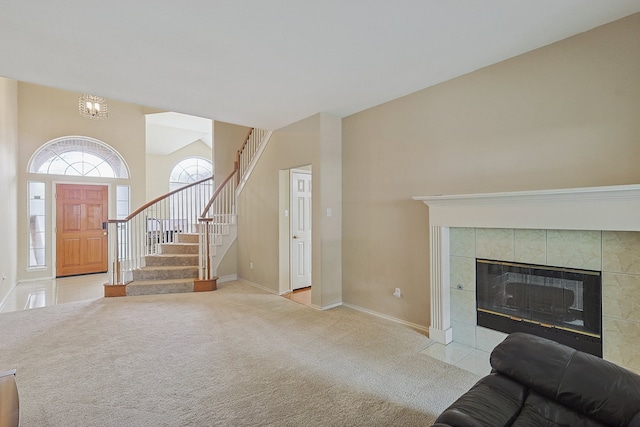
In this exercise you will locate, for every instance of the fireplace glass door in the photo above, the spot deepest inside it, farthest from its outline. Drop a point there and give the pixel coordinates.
(539, 299)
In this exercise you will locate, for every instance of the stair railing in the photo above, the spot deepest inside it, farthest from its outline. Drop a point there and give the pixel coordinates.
(154, 223)
(247, 152)
(218, 214)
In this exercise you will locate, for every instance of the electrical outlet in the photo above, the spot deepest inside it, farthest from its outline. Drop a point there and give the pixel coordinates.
(397, 293)
(251, 265)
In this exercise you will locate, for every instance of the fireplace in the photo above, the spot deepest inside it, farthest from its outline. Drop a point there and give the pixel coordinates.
(593, 228)
(562, 304)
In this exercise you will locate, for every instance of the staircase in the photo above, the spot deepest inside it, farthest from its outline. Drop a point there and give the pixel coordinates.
(172, 270)
(157, 252)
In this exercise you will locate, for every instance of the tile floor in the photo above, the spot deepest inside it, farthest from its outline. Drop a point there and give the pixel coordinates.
(42, 293)
(464, 357)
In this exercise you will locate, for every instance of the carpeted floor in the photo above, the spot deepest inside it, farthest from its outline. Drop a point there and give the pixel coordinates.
(234, 357)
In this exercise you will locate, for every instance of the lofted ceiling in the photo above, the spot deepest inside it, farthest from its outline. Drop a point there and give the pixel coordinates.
(168, 132)
(269, 63)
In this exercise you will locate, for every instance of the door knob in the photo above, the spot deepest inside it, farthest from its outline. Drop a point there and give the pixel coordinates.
(295, 237)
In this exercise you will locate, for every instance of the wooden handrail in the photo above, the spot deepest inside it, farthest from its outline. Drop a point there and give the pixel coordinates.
(157, 199)
(215, 194)
(246, 140)
(132, 242)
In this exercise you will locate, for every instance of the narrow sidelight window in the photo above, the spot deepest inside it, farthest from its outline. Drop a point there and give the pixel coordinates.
(37, 224)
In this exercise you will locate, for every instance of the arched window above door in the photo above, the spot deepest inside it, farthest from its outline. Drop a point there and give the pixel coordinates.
(190, 170)
(78, 156)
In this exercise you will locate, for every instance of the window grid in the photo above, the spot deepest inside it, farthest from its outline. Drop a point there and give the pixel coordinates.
(78, 156)
(189, 170)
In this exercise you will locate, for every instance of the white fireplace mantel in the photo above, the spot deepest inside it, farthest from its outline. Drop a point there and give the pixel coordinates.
(613, 208)
(593, 208)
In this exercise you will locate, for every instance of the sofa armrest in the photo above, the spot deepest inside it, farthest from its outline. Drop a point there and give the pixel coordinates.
(495, 401)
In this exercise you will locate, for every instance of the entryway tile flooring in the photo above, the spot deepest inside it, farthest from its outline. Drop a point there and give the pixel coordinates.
(464, 357)
(42, 293)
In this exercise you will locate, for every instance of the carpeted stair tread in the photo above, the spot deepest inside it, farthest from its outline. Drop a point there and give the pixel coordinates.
(152, 287)
(162, 272)
(172, 260)
(158, 282)
(187, 238)
(179, 248)
(168, 267)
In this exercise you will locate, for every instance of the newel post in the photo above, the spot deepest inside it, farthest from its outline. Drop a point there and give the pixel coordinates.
(205, 282)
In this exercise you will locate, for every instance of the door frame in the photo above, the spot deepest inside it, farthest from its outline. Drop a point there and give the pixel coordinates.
(284, 227)
(54, 217)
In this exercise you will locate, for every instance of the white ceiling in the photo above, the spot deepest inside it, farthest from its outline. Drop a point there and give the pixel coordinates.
(268, 63)
(168, 132)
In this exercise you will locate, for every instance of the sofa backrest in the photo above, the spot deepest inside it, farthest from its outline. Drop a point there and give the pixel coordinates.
(585, 383)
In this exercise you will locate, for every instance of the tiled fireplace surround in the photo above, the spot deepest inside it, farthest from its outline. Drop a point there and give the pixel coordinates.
(587, 228)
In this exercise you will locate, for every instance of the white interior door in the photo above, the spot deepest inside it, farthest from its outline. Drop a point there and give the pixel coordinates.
(300, 229)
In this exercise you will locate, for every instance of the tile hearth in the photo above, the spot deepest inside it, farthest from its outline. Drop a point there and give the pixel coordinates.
(460, 355)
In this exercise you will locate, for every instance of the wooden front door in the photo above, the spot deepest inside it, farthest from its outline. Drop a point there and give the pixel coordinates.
(81, 243)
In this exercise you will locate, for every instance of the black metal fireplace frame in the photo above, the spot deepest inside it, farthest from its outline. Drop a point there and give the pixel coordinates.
(583, 341)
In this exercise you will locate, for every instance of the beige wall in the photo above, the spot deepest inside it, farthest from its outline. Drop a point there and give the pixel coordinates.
(228, 267)
(8, 184)
(565, 115)
(227, 140)
(159, 167)
(45, 114)
(315, 141)
(327, 229)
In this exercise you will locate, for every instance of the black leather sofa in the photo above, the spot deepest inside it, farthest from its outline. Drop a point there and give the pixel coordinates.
(538, 382)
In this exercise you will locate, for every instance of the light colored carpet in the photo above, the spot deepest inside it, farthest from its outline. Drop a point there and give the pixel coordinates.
(234, 357)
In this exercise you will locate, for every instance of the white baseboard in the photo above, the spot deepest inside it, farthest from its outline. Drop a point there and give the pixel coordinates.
(227, 278)
(37, 279)
(326, 307)
(419, 328)
(415, 326)
(255, 285)
(3, 302)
